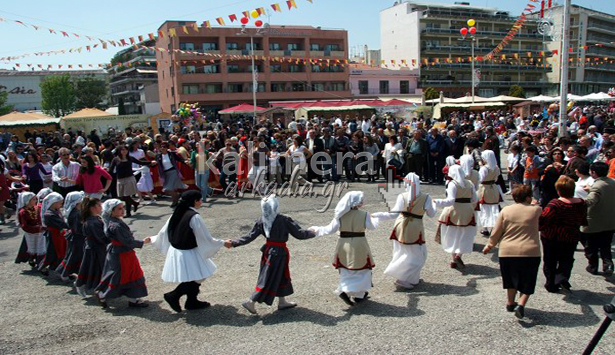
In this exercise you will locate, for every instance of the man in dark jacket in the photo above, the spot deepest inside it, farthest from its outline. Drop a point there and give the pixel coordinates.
(416, 153)
(435, 158)
(453, 145)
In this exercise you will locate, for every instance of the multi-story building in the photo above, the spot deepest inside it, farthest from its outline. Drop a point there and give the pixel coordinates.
(429, 32)
(23, 87)
(587, 28)
(215, 83)
(132, 71)
(373, 82)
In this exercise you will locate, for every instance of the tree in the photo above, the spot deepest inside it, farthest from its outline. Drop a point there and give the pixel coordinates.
(58, 94)
(4, 107)
(90, 92)
(516, 91)
(431, 93)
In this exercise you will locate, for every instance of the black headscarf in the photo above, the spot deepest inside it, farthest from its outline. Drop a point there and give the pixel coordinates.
(187, 200)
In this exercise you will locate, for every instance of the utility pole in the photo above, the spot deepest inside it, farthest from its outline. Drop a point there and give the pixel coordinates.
(563, 111)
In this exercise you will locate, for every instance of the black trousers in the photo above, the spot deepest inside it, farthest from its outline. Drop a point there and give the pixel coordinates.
(64, 190)
(558, 259)
(598, 246)
(415, 164)
(435, 165)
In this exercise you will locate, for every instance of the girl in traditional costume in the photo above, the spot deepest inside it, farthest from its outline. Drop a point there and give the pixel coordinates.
(467, 165)
(188, 247)
(489, 193)
(32, 248)
(457, 222)
(75, 239)
(353, 257)
(52, 219)
(95, 246)
(274, 276)
(408, 235)
(122, 274)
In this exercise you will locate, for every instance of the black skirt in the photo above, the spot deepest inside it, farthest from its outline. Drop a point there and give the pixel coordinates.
(520, 273)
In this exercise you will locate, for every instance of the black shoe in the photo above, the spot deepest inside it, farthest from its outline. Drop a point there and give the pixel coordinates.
(592, 270)
(136, 206)
(565, 285)
(191, 291)
(32, 263)
(346, 299)
(608, 271)
(172, 299)
(485, 233)
(101, 302)
(520, 312)
(192, 304)
(45, 271)
(511, 307)
(359, 300)
(138, 304)
(552, 289)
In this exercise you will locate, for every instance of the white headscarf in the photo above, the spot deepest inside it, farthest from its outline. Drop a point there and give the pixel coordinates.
(23, 199)
(412, 182)
(107, 208)
(467, 164)
(43, 193)
(271, 208)
(72, 199)
(457, 175)
(450, 161)
(489, 158)
(47, 202)
(351, 199)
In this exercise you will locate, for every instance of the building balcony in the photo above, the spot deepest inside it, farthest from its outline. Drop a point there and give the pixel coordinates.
(468, 83)
(338, 54)
(480, 50)
(600, 27)
(454, 32)
(276, 53)
(378, 92)
(126, 92)
(123, 81)
(475, 15)
(494, 67)
(298, 53)
(317, 54)
(217, 98)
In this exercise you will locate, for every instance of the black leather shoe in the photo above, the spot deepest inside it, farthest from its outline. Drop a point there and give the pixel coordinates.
(592, 270)
(608, 271)
(520, 312)
(346, 299)
(172, 299)
(359, 300)
(511, 307)
(192, 304)
(138, 304)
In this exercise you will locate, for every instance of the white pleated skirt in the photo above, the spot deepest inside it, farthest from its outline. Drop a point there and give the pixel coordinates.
(355, 283)
(407, 262)
(186, 266)
(488, 214)
(458, 240)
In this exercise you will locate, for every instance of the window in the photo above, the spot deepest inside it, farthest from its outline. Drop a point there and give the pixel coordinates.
(274, 47)
(259, 88)
(187, 69)
(293, 46)
(278, 87)
(190, 89)
(232, 46)
(315, 47)
(233, 68)
(235, 88)
(171, 70)
(384, 86)
(184, 46)
(298, 87)
(433, 25)
(316, 68)
(318, 87)
(295, 68)
(213, 88)
(404, 87)
(257, 46)
(339, 86)
(257, 68)
(210, 46)
(332, 47)
(363, 87)
(275, 68)
(172, 91)
(211, 69)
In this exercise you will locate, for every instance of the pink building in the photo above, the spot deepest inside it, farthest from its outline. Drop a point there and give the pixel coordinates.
(372, 82)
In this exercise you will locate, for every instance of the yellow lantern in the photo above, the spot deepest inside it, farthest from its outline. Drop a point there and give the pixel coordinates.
(255, 14)
(471, 22)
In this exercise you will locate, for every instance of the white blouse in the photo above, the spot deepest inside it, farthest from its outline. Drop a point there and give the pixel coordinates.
(430, 209)
(335, 225)
(451, 193)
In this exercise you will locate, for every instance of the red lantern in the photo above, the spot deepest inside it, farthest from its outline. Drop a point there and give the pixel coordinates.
(464, 31)
(258, 23)
(245, 20)
(472, 30)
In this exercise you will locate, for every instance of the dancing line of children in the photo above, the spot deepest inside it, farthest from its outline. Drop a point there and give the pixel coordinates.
(94, 248)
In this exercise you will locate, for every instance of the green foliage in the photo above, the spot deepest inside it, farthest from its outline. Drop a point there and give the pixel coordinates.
(121, 58)
(90, 92)
(516, 91)
(4, 107)
(431, 93)
(58, 94)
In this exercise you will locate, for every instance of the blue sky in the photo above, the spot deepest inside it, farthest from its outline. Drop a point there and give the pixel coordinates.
(121, 19)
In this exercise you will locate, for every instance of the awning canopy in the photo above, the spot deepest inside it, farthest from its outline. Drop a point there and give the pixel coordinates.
(88, 112)
(241, 110)
(342, 104)
(600, 96)
(26, 118)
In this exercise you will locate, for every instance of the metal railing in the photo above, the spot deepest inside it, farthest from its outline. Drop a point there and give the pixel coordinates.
(468, 14)
(461, 49)
(482, 33)
(533, 83)
(486, 66)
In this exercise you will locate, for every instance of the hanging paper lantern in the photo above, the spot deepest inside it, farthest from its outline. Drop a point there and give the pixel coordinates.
(245, 20)
(463, 31)
(472, 30)
(255, 14)
(471, 22)
(258, 23)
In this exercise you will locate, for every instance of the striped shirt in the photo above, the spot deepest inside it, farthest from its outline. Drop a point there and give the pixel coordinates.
(561, 221)
(71, 172)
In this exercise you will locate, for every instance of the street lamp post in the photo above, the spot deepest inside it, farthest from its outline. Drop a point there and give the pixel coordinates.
(564, 71)
(260, 31)
(464, 33)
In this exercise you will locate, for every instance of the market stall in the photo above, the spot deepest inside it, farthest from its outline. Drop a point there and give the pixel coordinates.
(18, 123)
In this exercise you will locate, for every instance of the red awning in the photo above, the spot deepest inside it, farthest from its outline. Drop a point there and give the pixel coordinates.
(241, 109)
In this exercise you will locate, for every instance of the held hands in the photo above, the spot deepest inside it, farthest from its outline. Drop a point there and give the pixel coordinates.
(147, 240)
(228, 244)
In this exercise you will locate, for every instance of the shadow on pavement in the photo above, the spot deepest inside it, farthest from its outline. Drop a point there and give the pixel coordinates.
(430, 289)
(537, 317)
(588, 297)
(219, 315)
(301, 314)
